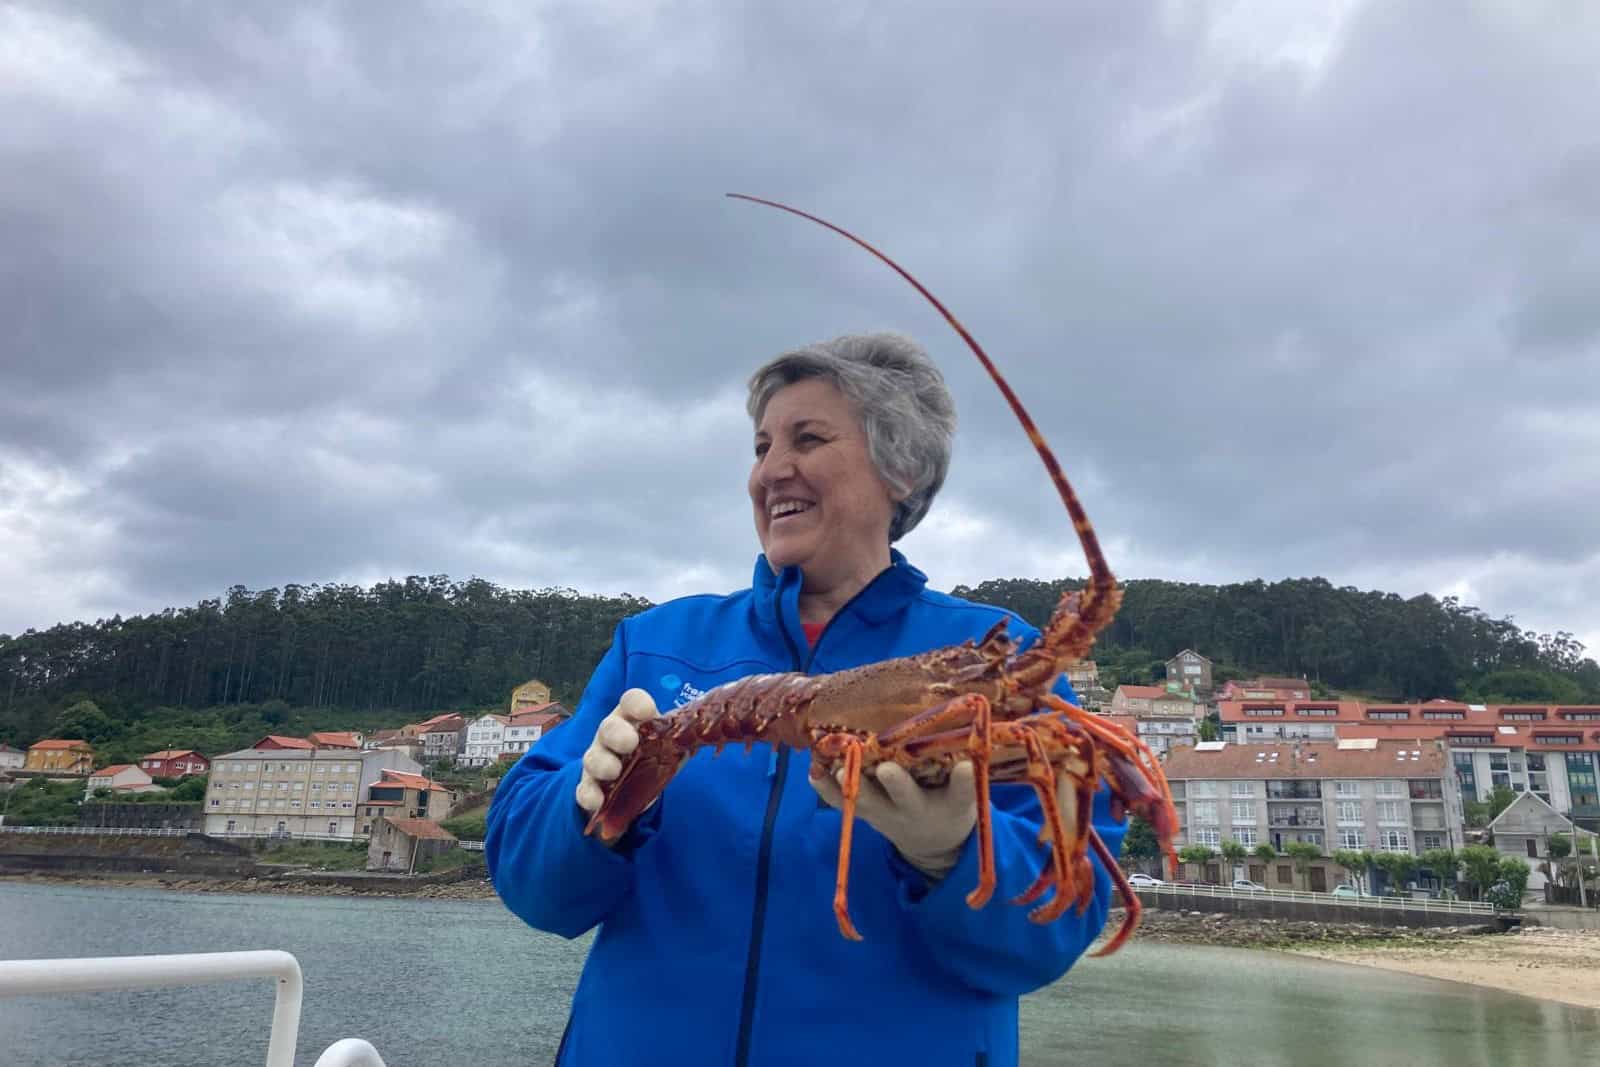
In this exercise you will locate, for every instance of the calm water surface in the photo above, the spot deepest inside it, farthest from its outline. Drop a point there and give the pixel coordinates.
(456, 982)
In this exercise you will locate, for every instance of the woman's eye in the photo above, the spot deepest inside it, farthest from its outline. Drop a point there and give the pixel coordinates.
(761, 449)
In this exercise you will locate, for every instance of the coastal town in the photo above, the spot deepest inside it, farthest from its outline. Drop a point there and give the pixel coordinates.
(329, 786)
(1274, 788)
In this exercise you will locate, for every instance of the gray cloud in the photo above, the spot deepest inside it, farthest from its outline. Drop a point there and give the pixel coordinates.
(297, 293)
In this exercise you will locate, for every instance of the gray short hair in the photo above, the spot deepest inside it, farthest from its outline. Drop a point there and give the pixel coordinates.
(902, 401)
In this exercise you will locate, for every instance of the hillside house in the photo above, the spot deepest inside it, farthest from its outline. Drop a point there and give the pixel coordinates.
(403, 795)
(61, 756)
(399, 844)
(174, 763)
(120, 778)
(525, 729)
(1191, 671)
(335, 739)
(293, 791)
(1523, 831)
(442, 737)
(531, 695)
(486, 737)
(12, 759)
(1142, 700)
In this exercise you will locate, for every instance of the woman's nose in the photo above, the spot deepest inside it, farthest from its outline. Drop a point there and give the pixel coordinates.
(776, 466)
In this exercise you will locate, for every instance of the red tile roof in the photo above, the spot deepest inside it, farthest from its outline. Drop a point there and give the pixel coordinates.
(444, 724)
(420, 828)
(408, 780)
(530, 718)
(1143, 692)
(1307, 759)
(334, 739)
(114, 769)
(56, 743)
(279, 741)
(424, 724)
(172, 753)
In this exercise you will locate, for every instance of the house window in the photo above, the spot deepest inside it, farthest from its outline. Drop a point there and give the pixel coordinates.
(333, 828)
(1244, 812)
(1394, 841)
(1245, 835)
(1533, 852)
(1522, 716)
(1392, 812)
(1212, 837)
(1244, 789)
(1203, 789)
(1499, 770)
(1347, 789)
(215, 802)
(1285, 874)
(1349, 812)
(1392, 716)
(1427, 841)
(1351, 839)
(1205, 811)
(1318, 713)
(1391, 788)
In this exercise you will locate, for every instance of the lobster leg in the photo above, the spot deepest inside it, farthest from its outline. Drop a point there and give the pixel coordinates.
(977, 742)
(852, 790)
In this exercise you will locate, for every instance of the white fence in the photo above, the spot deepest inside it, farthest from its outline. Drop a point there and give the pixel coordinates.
(1368, 903)
(98, 975)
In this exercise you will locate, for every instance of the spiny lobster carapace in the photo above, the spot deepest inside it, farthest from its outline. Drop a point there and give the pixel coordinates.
(984, 701)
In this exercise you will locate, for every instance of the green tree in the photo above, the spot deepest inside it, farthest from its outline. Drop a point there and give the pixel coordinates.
(1559, 846)
(1481, 865)
(1510, 883)
(1265, 853)
(1399, 866)
(84, 720)
(1199, 855)
(1234, 852)
(1303, 854)
(1140, 840)
(1208, 729)
(1354, 863)
(1500, 798)
(1444, 863)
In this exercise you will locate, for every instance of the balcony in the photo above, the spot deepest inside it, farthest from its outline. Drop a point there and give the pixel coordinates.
(1294, 790)
(1283, 817)
(1426, 789)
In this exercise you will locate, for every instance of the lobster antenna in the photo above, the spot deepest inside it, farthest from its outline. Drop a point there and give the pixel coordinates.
(1080, 521)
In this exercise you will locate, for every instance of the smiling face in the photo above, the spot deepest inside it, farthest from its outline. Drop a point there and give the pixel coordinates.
(819, 501)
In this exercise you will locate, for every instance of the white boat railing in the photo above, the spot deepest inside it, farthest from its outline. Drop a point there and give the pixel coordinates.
(1370, 903)
(22, 978)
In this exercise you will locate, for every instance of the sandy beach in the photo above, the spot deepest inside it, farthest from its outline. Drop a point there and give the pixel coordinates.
(1561, 965)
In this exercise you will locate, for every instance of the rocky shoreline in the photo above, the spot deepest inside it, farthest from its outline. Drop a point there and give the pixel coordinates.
(1233, 931)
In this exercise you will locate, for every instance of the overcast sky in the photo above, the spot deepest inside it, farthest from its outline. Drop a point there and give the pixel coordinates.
(321, 292)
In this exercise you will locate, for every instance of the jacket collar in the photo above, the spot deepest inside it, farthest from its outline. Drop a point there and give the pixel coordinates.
(777, 594)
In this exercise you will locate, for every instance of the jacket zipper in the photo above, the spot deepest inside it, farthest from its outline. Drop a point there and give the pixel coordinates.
(764, 855)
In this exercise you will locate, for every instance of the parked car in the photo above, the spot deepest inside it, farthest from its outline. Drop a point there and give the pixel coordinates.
(1248, 886)
(1346, 890)
(1144, 881)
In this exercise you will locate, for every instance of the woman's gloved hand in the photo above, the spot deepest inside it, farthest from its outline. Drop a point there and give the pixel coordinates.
(614, 740)
(928, 827)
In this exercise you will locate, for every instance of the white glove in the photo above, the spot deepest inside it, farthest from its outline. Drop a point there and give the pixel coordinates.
(927, 827)
(616, 738)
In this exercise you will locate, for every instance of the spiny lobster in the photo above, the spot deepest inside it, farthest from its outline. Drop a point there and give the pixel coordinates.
(978, 701)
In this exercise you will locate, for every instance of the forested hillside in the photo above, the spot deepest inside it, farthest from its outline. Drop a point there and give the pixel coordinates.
(220, 673)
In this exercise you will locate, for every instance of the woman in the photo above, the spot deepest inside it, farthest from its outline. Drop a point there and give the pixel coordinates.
(717, 942)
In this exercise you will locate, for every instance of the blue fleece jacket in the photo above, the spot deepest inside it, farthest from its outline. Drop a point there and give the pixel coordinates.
(717, 942)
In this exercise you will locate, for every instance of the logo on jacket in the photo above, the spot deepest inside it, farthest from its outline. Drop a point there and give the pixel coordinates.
(683, 691)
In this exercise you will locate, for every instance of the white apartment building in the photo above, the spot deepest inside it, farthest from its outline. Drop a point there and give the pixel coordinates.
(486, 736)
(294, 792)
